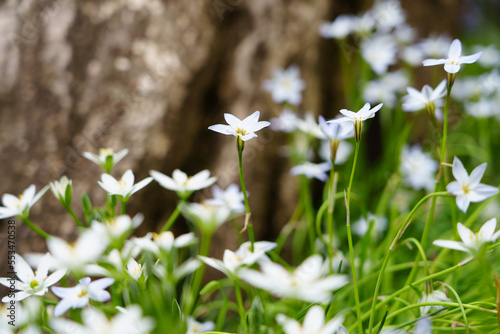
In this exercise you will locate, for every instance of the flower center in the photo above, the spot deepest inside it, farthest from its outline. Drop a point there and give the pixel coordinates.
(466, 190)
(104, 152)
(33, 283)
(241, 131)
(82, 293)
(137, 270)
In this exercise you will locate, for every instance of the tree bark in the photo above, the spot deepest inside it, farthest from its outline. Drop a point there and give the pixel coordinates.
(151, 76)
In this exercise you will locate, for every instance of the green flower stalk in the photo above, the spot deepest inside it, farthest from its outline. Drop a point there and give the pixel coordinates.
(243, 130)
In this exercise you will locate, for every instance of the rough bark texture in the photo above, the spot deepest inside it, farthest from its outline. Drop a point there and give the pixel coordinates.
(151, 76)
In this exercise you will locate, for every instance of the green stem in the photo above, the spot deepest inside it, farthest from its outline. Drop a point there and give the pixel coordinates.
(444, 304)
(124, 206)
(330, 221)
(377, 289)
(349, 239)
(352, 173)
(240, 145)
(305, 197)
(34, 228)
(241, 308)
(198, 276)
(75, 218)
(430, 218)
(406, 288)
(173, 217)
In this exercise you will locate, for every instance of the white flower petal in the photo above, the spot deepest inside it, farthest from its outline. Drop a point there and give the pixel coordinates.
(432, 62)
(459, 172)
(451, 244)
(455, 49)
(470, 59)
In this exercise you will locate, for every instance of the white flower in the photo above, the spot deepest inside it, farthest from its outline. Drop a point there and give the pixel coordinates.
(205, 216)
(31, 283)
(455, 58)
(243, 129)
(314, 323)
(385, 89)
(106, 158)
(286, 122)
(418, 168)
(362, 115)
(483, 108)
(285, 86)
(490, 56)
(88, 247)
(344, 150)
(472, 242)
(429, 99)
(404, 34)
(80, 295)
(379, 51)
(20, 206)
(128, 321)
(118, 226)
(305, 283)
(232, 198)
(363, 225)
(60, 187)
(436, 46)
(363, 25)
(195, 327)
(154, 242)
(309, 126)
(311, 170)
(134, 269)
(233, 261)
(467, 188)
(388, 15)
(358, 117)
(413, 54)
(335, 131)
(434, 296)
(181, 183)
(339, 29)
(125, 187)
(377, 91)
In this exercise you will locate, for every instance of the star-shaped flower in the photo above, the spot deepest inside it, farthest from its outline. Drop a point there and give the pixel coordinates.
(472, 242)
(312, 170)
(467, 188)
(358, 117)
(124, 187)
(20, 206)
(232, 261)
(285, 86)
(244, 129)
(314, 323)
(428, 99)
(181, 183)
(335, 131)
(306, 283)
(80, 295)
(455, 58)
(32, 283)
(232, 198)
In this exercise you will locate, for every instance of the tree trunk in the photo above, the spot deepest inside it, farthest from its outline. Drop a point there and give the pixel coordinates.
(151, 76)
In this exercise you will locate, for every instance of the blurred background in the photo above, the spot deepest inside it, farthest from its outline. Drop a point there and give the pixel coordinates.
(152, 75)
